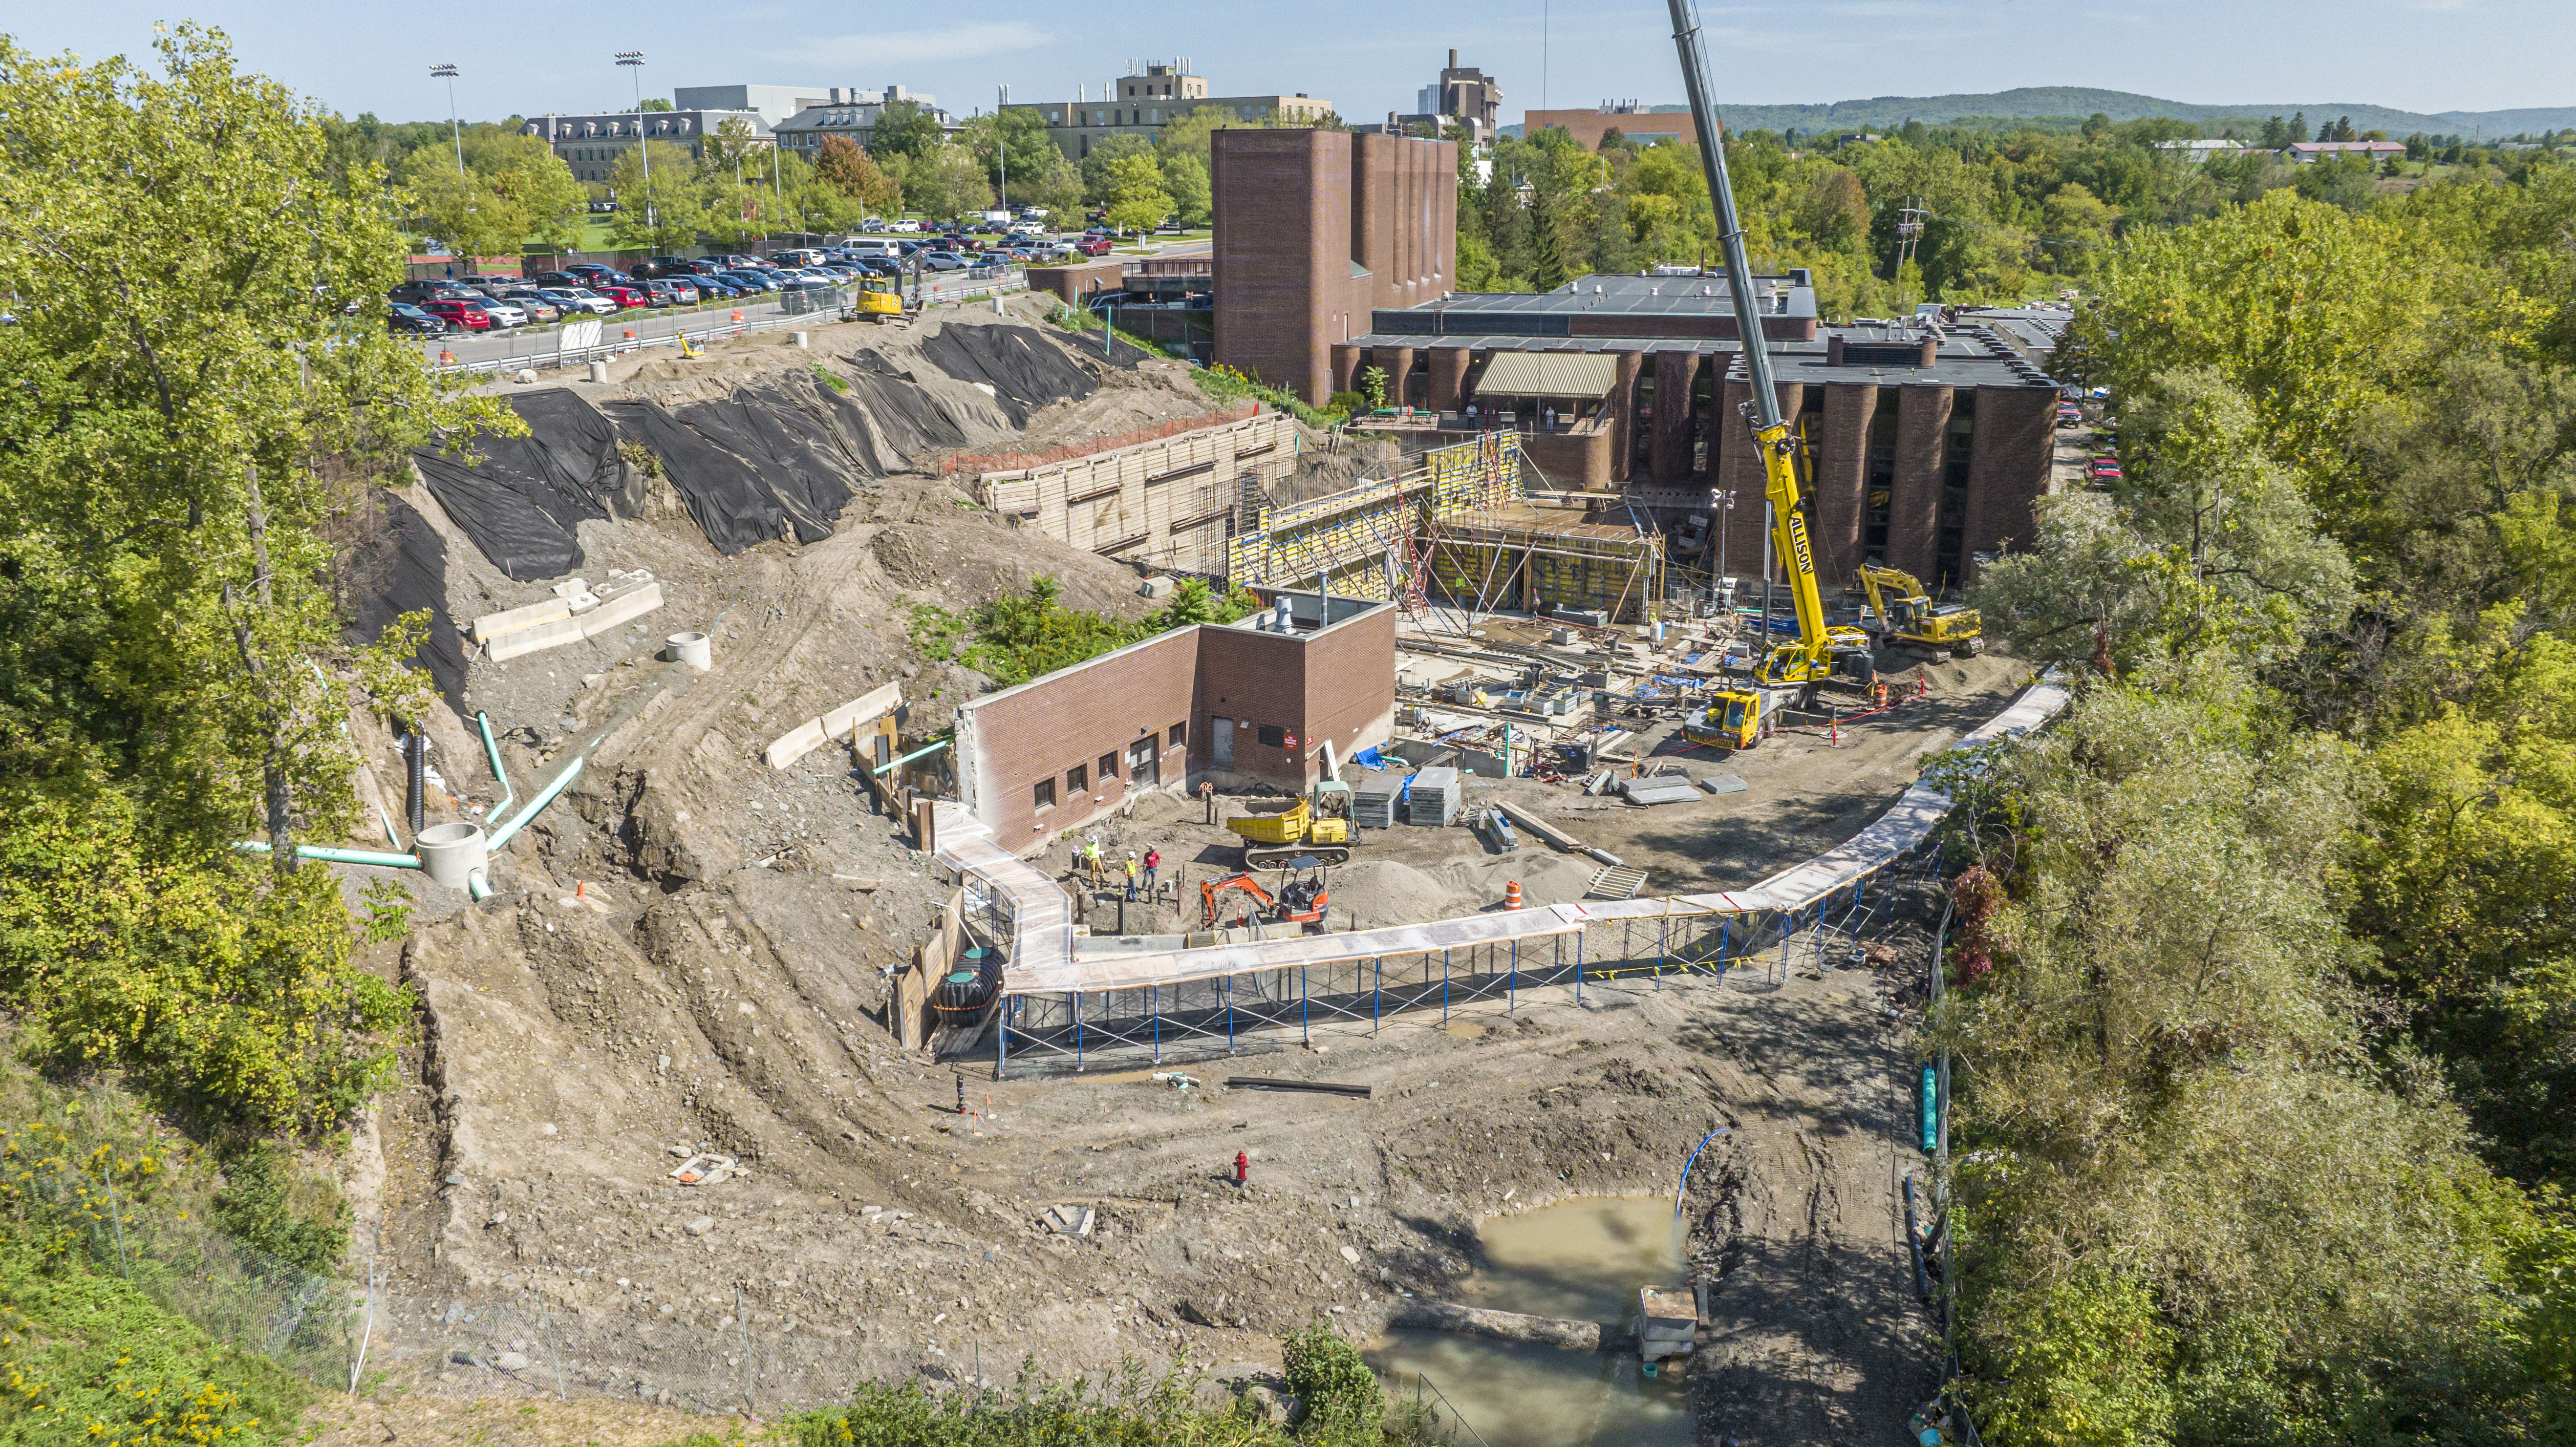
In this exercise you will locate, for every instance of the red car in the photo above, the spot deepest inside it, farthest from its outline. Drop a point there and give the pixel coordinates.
(624, 296)
(1093, 246)
(465, 316)
(2105, 467)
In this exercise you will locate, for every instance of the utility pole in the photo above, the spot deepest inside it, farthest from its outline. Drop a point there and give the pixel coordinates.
(448, 73)
(1002, 142)
(634, 60)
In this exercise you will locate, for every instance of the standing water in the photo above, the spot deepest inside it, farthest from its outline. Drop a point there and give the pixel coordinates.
(1582, 1260)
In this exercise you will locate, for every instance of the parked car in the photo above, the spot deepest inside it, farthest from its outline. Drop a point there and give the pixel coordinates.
(872, 223)
(1091, 245)
(905, 227)
(2104, 469)
(414, 293)
(463, 316)
(670, 291)
(941, 261)
(627, 295)
(577, 301)
(714, 288)
(591, 273)
(556, 278)
(404, 317)
(532, 301)
(654, 266)
(752, 281)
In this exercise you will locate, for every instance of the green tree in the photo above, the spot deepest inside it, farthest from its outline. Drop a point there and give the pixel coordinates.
(945, 181)
(905, 129)
(661, 209)
(1185, 179)
(513, 189)
(840, 164)
(1137, 200)
(1097, 178)
(1020, 136)
(175, 672)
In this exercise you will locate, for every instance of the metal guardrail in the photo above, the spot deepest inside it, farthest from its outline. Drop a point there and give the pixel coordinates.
(981, 282)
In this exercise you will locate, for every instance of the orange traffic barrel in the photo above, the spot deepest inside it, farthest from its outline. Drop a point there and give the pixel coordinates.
(1512, 895)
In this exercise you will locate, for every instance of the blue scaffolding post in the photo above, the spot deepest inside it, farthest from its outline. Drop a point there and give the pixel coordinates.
(1305, 1031)
(1077, 1031)
(1225, 987)
(1377, 987)
(1578, 966)
(1663, 943)
(1724, 923)
(1444, 987)
(1512, 986)
(1154, 1006)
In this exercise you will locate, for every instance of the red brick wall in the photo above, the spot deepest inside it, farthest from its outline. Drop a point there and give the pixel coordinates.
(1841, 478)
(2008, 466)
(1349, 687)
(1042, 729)
(1739, 467)
(1669, 452)
(1914, 512)
(1282, 254)
(1077, 280)
(1337, 683)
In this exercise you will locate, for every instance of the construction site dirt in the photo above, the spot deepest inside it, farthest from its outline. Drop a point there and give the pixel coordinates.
(693, 954)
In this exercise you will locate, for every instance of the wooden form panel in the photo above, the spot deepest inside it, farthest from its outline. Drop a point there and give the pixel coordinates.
(1172, 501)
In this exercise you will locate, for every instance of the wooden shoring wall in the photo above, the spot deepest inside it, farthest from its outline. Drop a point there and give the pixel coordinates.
(1171, 503)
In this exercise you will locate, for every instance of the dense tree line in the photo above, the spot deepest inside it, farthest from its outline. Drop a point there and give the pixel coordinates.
(2266, 1021)
(2004, 213)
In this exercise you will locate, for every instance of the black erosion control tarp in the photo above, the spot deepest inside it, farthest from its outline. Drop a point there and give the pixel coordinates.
(400, 567)
(1025, 369)
(909, 420)
(519, 498)
(779, 456)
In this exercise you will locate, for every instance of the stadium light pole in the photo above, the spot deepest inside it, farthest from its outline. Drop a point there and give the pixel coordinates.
(634, 60)
(447, 73)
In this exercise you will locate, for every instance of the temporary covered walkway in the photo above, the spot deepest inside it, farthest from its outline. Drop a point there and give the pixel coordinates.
(1054, 1004)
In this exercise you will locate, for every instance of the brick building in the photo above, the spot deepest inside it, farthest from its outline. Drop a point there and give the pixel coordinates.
(1927, 442)
(591, 144)
(1315, 231)
(1589, 126)
(1234, 704)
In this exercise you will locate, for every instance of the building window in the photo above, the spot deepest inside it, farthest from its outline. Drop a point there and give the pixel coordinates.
(1180, 735)
(1045, 795)
(1108, 769)
(1077, 780)
(1272, 736)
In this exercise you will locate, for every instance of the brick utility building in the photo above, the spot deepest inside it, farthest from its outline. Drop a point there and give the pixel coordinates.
(1236, 704)
(1151, 97)
(1315, 231)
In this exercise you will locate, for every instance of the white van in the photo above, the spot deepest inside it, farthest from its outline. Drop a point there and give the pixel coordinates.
(873, 246)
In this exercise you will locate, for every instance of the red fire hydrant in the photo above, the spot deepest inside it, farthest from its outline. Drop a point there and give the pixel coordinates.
(1242, 1167)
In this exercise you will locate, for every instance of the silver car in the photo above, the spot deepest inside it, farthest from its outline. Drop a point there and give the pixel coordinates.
(505, 313)
(581, 299)
(532, 301)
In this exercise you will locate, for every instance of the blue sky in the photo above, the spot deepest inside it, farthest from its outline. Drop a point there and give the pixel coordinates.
(539, 55)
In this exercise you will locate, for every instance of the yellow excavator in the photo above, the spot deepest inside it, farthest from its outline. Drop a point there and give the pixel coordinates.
(1789, 673)
(878, 296)
(1907, 614)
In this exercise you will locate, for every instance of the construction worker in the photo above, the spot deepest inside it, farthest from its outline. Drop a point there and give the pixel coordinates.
(1207, 796)
(1153, 861)
(1131, 873)
(1091, 856)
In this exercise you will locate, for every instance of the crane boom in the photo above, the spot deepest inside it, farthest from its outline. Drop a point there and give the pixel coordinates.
(1810, 659)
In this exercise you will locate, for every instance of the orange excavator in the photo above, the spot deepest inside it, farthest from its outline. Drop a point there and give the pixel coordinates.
(1301, 897)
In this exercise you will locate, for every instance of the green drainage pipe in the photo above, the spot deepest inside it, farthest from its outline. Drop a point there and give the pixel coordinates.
(908, 758)
(500, 775)
(502, 836)
(375, 857)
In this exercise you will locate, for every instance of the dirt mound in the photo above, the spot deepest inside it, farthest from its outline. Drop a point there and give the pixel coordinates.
(1026, 369)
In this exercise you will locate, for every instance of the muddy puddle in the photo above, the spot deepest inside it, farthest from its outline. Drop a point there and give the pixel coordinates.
(1583, 1259)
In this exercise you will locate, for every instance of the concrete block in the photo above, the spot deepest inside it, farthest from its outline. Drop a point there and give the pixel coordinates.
(532, 640)
(623, 608)
(511, 620)
(868, 707)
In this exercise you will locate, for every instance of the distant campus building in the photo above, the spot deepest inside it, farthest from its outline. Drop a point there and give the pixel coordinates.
(1151, 97)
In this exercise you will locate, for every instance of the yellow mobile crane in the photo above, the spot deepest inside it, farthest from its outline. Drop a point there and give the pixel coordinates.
(1739, 718)
(1908, 615)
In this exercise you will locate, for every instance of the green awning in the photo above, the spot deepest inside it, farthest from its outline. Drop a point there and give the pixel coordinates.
(1588, 375)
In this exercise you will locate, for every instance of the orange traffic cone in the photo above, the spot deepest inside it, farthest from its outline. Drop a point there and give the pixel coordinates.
(630, 334)
(737, 316)
(1512, 895)
(446, 358)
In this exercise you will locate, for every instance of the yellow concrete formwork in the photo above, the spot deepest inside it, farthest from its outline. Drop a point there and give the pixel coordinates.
(1341, 541)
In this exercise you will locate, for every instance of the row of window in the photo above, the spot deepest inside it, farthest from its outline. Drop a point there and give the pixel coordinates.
(1142, 765)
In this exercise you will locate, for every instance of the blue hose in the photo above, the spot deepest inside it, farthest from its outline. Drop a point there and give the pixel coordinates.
(1684, 1187)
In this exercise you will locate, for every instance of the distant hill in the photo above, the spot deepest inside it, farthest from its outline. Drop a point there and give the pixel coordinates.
(2034, 102)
